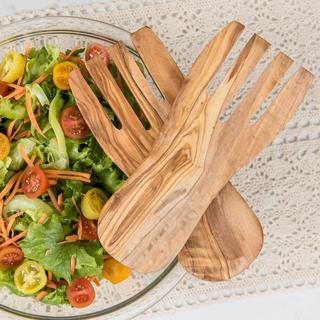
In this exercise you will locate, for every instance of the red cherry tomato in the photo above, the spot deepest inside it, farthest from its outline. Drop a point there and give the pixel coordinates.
(96, 49)
(73, 124)
(81, 293)
(4, 89)
(10, 257)
(89, 229)
(34, 182)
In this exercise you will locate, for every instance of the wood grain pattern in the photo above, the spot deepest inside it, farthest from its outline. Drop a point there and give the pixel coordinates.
(229, 236)
(147, 222)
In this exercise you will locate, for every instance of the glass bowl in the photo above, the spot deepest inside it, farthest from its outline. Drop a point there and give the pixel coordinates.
(127, 299)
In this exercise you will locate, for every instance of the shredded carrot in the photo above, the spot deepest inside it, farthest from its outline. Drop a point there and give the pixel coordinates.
(57, 176)
(72, 237)
(24, 156)
(40, 295)
(38, 162)
(15, 189)
(15, 93)
(49, 275)
(20, 190)
(9, 226)
(95, 280)
(60, 199)
(41, 78)
(43, 218)
(80, 229)
(33, 157)
(17, 130)
(20, 79)
(15, 86)
(67, 173)
(9, 185)
(14, 239)
(23, 134)
(54, 200)
(31, 114)
(67, 56)
(52, 182)
(72, 265)
(15, 216)
(20, 95)
(2, 223)
(10, 129)
(51, 284)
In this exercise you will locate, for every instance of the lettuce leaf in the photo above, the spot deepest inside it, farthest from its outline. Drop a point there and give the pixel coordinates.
(17, 161)
(4, 165)
(42, 244)
(57, 296)
(40, 61)
(13, 110)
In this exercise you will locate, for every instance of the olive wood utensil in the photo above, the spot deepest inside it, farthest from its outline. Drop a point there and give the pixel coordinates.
(219, 268)
(147, 222)
(229, 236)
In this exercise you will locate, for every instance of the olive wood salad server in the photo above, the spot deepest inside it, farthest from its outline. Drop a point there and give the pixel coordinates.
(236, 244)
(229, 236)
(147, 222)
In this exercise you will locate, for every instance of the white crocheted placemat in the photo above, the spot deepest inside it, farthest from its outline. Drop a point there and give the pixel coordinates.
(283, 183)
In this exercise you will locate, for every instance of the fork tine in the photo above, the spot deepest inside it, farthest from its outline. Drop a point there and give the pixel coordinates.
(107, 135)
(244, 65)
(262, 88)
(119, 104)
(282, 109)
(153, 109)
(98, 118)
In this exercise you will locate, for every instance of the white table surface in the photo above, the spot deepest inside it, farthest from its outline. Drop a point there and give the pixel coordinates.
(293, 305)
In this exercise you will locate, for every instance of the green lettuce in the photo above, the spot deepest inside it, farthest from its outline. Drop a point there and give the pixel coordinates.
(6, 279)
(36, 91)
(4, 165)
(54, 114)
(13, 110)
(17, 161)
(42, 245)
(57, 296)
(40, 61)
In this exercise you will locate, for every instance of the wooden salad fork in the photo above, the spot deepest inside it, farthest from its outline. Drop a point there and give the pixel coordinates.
(150, 218)
(229, 236)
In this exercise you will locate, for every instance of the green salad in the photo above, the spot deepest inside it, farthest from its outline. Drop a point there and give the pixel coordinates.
(54, 179)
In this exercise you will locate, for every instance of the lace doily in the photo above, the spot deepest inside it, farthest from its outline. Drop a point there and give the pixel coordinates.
(283, 183)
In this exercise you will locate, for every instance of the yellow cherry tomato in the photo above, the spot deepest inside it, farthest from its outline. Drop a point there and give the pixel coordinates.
(12, 67)
(30, 277)
(4, 146)
(92, 203)
(61, 74)
(114, 271)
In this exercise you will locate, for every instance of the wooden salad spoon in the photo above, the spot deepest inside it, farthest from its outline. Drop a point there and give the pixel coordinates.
(149, 219)
(229, 236)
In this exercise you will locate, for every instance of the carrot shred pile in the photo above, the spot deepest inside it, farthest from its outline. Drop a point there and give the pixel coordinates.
(80, 229)
(49, 275)
(52, 285)
(10, 185)
(10, 129)
(15, 188)
(43, 218)
(41, 78)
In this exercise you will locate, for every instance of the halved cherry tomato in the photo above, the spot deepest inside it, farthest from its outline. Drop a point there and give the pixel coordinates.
(114, 271)
(81, 293)
(92, 203)
(4, 89)
(4, 146)
(61, 73)
(96, 49)
(89, 229)
(30, 277)
(10, 257)
(34, 182)
(12, 67)
(73, 124)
